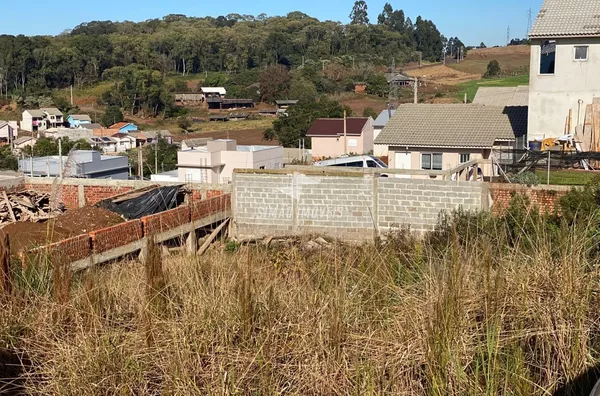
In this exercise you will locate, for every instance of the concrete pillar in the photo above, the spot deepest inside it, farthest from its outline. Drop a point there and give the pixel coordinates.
(81, 195)
(191, 243)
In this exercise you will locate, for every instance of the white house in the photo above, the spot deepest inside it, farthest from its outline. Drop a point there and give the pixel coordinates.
(9, 131)
(215, 162)
(565, 64)
(42, 119)
(381, 150)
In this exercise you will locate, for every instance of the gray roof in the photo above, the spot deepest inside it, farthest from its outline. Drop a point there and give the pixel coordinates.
(567, 18)
(81, 117)
(92, 126)
(35, 113)
(383, 118)
(502, 96)
(23, 139)
(453, 125)
(51, 110)
(196, 142)
(154, 134)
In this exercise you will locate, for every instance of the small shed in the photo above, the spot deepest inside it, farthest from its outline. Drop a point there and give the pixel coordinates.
(360, 87)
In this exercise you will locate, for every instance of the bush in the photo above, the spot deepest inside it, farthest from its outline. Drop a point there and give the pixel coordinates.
(527, 178)
(493, 69)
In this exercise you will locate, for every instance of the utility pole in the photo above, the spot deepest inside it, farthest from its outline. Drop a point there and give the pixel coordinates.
(345, 135)
(156, 157)
(60, 159)
(71, 94)
(416, 91)
(528, 22)
(508, 35)
(302, 61)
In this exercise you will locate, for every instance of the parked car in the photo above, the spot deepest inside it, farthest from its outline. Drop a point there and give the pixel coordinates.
(359, 161)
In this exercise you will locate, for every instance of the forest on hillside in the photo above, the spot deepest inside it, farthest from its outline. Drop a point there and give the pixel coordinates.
(178, 44)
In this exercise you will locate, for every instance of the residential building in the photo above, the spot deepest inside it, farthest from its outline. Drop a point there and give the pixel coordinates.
(170, 176)
(24, 141)
(380, 122)
(399, 80)
(328, 140)
(80, 164)
(124, 142)
(502, 96)
(124, 127)
(193, 143)
(442, 136)
(215, 162)
(42, 119)
(285, 104)
(565, 59)
(9, 131)
(360, 87)
(33, 121)
(149, 137)
(75, 120)
(117, 143)
(213, 92)
(92, 126)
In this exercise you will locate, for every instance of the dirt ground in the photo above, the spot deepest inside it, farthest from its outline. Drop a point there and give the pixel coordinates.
(243, 137)
(26, 235)
(510, 58)
(442, 75)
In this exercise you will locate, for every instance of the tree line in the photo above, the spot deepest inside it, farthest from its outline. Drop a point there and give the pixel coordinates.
(141, 54)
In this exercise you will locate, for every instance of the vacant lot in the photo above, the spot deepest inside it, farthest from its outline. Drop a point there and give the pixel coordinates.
(510, 59)
(442, 75)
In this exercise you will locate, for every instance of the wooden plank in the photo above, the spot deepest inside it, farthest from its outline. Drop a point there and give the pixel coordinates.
(9, 205)
(5, 270)
(212, 237)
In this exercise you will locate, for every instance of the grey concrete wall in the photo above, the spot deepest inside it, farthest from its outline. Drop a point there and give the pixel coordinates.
(346, 206)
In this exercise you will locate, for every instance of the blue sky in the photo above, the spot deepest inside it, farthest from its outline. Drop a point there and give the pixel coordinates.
(486, 21)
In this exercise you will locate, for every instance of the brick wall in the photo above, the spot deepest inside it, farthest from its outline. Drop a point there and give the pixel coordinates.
(201, 209)
(544, 197)
(166, 220)
(116, 236)
(352, 207)
(95, 194)
(72, 249)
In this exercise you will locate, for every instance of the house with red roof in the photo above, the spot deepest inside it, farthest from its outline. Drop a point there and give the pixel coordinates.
(329, 141)
(124, 127)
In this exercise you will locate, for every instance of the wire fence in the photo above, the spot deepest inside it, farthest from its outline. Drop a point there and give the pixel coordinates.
(515, 161)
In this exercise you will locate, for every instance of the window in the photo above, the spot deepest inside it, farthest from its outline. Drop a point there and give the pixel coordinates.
(371, 164)
(431, 161)
(465, 158)
(581, 53)
(547, 57)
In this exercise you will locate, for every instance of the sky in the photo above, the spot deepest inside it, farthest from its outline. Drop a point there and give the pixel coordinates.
(473, 23)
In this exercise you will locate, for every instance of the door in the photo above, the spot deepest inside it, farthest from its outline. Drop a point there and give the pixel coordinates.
(402, 161)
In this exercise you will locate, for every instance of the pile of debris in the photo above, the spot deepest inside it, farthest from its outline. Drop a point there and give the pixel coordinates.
(27, 206)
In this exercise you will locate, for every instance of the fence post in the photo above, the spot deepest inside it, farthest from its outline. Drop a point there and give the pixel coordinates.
(5, 275)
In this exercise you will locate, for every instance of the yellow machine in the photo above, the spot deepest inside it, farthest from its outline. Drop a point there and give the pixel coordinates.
(566, 144)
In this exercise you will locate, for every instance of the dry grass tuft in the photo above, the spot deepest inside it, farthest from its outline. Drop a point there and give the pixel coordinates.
(401, 317)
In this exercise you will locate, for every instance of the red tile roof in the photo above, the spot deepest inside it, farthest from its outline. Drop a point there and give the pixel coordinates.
(335, 127)
(119, 125)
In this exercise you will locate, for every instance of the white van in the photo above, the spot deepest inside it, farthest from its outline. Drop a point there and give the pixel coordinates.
(360, 161)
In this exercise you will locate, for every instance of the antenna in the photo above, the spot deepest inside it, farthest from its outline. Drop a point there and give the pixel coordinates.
(508, 35)
(529, 25)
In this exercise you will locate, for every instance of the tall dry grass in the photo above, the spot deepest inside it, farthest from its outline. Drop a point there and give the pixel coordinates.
(472, 316)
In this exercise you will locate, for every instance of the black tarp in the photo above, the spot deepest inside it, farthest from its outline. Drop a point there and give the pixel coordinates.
(154, 201)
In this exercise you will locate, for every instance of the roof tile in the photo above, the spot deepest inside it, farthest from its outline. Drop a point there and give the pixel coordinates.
(567, 18)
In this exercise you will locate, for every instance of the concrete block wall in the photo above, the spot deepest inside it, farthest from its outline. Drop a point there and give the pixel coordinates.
(351, 207)
(418, 203)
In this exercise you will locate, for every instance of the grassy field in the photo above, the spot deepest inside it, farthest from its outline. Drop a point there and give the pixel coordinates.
(568, 178)
(509, 58)
(471, 87)
(406, 317)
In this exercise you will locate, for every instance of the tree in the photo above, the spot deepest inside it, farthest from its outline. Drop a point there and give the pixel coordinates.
(369, 112)
(482, 45)
(111, 116)
(184, 123)
(165, 154)
(359, 15)
(292, 127)
(7, 159)
(274, 83)
(493, 69)
(302, 89)
(377, 84)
